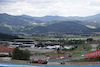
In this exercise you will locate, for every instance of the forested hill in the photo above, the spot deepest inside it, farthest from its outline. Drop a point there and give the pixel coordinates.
(4, 37)
(60, 27)
(10, 24)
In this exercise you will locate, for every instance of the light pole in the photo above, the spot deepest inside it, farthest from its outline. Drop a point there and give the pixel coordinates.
(85, 45)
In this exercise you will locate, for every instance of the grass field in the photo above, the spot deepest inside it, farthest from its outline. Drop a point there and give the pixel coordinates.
(36, 37)
(68, 36)
(75, 53)
(79, 49)
(57, 54)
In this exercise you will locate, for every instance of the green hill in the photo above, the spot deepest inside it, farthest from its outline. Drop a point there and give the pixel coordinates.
(49, 24)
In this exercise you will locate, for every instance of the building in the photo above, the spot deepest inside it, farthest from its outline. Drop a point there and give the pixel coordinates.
(51, 45)
(82, 39)
(6, 43)
(77, 39)
(4, 50)
(48, 43)
(68, 47)
(26, 43)
(53, 39)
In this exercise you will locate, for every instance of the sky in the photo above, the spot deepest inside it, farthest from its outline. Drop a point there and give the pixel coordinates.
(50, 7)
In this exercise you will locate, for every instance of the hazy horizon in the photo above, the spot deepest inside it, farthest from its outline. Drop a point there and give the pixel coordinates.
(49, 15)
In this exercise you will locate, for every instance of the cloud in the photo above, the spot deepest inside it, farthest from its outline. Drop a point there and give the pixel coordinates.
(50, 7)
(95, 3)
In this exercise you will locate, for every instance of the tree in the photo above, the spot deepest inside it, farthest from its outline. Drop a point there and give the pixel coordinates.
(20, 54)
(90, 39)
(40, 45)
(26, 54)
(15, 53)
(10, 54)
(62, 45)
(58, 49)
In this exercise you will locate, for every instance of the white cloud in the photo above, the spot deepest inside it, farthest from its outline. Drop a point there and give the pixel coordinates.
(51, 7)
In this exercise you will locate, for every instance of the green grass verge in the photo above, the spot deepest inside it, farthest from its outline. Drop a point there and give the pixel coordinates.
(56, 54)
(32, 52)
(78, 50)
(99, 47)
(89, 47)
(81, 47)
(76, 53)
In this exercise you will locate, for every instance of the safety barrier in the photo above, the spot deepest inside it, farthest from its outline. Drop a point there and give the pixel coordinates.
(83, 63)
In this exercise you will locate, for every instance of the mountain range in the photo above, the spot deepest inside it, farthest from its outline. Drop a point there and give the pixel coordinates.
(22, 24)
(93, 18)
